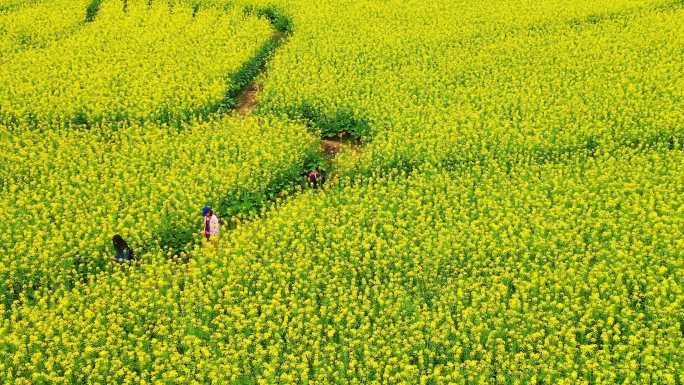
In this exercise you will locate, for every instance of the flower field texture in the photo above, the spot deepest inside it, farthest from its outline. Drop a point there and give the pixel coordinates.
(559, 274)
(36, 24)
(60, 206)
(157, 64)
(145, 82)
(438, 82)
(509, 209)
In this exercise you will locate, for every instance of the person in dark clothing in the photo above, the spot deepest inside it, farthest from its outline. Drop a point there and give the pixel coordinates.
(123, 251)
(315, 178)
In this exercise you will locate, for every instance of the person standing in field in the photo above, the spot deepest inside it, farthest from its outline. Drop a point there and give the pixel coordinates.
(211, 223)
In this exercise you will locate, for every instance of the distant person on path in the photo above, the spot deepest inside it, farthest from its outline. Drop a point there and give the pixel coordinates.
(123, 252)
(315, 178)
(211, 223)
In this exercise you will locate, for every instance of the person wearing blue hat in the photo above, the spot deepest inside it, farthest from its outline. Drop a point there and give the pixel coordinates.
(211, 223)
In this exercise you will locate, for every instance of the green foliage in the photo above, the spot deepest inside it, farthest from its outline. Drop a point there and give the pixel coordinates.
(92, 10)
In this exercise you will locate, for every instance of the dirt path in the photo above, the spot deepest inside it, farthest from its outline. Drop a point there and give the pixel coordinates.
(331, 147)
(247, 101)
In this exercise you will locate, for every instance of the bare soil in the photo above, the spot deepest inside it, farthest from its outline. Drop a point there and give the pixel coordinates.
(342, 142)
(331, 147)
(247, 100)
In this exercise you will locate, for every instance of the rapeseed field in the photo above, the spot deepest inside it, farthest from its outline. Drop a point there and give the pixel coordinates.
(506, 207)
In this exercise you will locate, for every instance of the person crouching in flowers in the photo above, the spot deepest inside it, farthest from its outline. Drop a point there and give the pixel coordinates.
(123, 251)
(211, 223)
(315, 178)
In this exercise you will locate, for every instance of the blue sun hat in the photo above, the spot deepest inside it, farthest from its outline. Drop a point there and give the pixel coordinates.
(205, 210)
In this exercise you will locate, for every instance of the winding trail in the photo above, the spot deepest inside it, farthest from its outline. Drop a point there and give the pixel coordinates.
(247, 99)
(241, 99)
